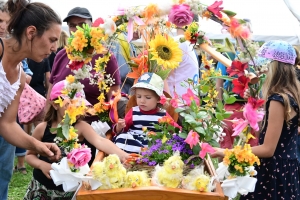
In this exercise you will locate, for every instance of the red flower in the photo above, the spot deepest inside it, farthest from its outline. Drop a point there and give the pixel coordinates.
(215, 9)
(75, 65)
(237, 68)
(256, 103)
(240, 84)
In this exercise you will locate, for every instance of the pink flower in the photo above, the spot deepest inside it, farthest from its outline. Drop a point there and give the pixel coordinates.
(163, 99)
(238, 126)
(181, 15)
(252, 114)
(174, 103)
(205, 148)
(215, 9)
(245, 33)
(79, 156)
(189, 97)
(192, 138)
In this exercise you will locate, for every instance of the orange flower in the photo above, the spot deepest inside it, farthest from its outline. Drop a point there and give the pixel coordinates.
(150, 11)
(142, 68)
(206, 14)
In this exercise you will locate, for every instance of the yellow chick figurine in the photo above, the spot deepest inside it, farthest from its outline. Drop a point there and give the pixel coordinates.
(110, 172)
(198, 180)
(114, 170)
(170, 174)
(137, 179)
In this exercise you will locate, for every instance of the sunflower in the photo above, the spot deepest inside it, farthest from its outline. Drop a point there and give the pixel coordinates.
(165, 51)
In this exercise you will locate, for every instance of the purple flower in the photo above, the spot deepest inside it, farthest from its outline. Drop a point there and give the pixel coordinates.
(152, 163)
(145, 160)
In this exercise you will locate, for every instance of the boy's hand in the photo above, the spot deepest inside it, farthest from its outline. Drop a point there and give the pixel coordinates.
(121, 123)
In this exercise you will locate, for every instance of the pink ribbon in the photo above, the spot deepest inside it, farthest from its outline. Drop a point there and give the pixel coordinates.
(137, 20)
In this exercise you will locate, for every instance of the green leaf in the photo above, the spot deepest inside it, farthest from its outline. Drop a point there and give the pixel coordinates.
(226, 115)
(229, 45)
(183, 135)
(202, 115)
(228, 78)
(178, 110)
(219, 116)
(220, 106)
(65, 130)
(163, 73)
(229, 13)
(199, 129)
(214, 143)
(196, 149)
(230, 100)
(189, 119)
(205, 88)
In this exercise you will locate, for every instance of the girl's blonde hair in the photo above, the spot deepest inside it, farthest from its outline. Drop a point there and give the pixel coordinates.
(281, 79)
(63, 39)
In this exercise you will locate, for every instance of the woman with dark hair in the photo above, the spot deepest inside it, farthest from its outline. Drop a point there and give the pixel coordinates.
(33, 31)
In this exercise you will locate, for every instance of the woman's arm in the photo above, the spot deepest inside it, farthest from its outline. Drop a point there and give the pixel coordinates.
(31, 156)
(15, 135)
(86, 131)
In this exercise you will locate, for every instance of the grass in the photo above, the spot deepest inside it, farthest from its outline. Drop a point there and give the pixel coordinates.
(18, 184)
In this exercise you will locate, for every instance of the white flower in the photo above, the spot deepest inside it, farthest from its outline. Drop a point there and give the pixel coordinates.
(164, 7)
(109, 26)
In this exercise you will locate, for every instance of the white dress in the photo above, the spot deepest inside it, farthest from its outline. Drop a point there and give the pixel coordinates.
(7, 91)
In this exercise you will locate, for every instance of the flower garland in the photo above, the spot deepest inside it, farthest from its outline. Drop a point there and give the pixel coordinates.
(82, 46)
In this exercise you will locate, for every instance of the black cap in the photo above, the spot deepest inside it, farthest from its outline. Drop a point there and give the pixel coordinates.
(79, 12)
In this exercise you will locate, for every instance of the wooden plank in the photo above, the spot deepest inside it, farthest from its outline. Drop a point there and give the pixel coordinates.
(152, 192)
(147, 193)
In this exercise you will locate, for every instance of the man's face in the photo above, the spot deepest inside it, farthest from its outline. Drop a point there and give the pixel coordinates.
(77, 21)
(4, 18)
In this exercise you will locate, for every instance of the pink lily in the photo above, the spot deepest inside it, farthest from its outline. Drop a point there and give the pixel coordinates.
(238, 126)
(252, 114)
(189, 97)
(205, 148)
(192, 138)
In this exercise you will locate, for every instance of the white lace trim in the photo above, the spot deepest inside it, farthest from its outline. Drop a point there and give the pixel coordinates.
(7, 91)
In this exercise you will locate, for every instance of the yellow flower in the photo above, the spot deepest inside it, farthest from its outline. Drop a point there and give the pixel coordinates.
(70, 78)
(72, 133)
(187, 35)
(165, 51)
(59, 101)
(249, 136)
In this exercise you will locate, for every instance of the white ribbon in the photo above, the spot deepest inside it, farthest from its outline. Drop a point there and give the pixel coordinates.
(71, 181)
(100, 128)
(240, 184)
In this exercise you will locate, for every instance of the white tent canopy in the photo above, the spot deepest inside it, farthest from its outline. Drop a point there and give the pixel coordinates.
(271, 19)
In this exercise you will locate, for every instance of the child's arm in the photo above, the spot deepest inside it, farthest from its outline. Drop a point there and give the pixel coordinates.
(123, 124)
(273, 132)
(85, 130)
(31, 156)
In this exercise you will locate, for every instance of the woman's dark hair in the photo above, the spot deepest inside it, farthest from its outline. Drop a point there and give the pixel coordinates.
(24, 14)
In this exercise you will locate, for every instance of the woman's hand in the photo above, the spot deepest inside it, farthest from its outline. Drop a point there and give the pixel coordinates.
(219, 153)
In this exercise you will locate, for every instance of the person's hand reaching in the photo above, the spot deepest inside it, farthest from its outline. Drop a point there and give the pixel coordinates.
(49, 150)
(219, 153)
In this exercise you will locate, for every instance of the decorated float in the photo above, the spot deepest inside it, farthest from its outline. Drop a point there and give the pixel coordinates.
(176, 163)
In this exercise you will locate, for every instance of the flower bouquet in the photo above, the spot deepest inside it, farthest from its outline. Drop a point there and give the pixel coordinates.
(237, 169)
